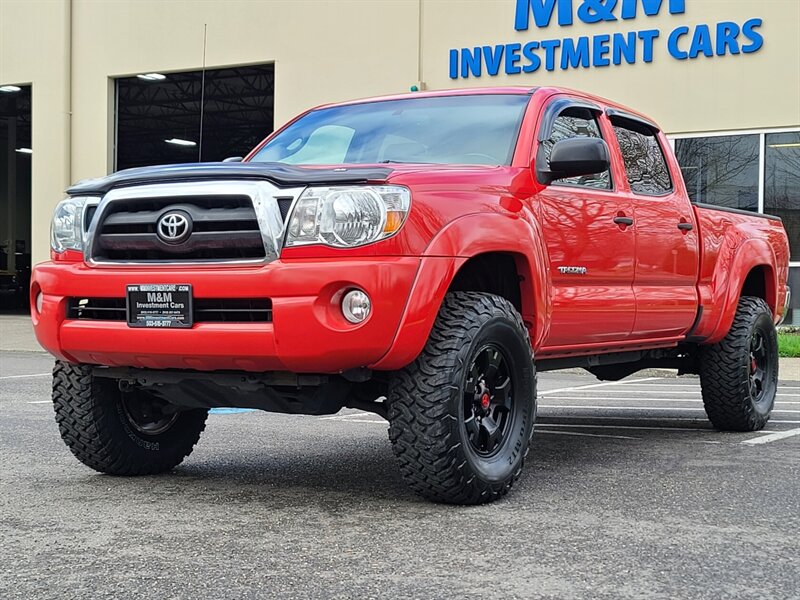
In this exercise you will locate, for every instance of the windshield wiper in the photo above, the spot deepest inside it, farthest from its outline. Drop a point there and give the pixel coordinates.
(405, 162)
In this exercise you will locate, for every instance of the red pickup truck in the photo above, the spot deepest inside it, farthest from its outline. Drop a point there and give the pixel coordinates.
(419, 256)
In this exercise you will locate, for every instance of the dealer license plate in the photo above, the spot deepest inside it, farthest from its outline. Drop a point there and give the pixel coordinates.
(159, 305)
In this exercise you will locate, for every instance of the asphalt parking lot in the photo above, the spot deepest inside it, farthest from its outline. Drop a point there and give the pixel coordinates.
(628, 493)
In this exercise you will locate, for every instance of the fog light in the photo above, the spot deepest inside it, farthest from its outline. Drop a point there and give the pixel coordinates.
(356, 306)
(39, 302)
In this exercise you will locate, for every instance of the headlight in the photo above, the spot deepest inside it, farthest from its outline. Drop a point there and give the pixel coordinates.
(66, 230)
(344, 217)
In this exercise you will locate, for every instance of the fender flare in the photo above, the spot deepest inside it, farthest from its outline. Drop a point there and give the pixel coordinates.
(727, 282)
(461, 239)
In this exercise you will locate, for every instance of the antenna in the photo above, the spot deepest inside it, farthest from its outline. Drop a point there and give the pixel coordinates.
(202, 94)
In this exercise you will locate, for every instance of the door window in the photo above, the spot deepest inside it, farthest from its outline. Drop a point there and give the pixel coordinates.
(572, 123)
(645, 165)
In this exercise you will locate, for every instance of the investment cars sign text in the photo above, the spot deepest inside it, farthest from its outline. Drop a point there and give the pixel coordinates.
(603, 49)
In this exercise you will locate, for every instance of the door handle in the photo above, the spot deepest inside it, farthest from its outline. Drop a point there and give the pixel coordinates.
(685, 226)
(623, 220)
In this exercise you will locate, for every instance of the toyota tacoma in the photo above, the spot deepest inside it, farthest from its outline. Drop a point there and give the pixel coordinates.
(419, 256)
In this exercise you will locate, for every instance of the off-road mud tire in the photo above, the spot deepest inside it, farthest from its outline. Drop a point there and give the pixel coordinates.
(426, 403)
(727, 366)
(96, 427)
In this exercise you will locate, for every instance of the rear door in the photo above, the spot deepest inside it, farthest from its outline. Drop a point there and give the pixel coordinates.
(667, 258)
(591, 249)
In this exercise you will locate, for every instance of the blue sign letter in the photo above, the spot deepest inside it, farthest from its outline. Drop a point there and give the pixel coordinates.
(594, 11)
(470, 63)
(575, 53)
(651, 7)
(542, 12)
(672, 43)
(647, 36)
(756, 38)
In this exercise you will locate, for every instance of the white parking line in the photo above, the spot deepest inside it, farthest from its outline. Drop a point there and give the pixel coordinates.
(692, 400)
(598, 435)
(672, 391)
(629, 391)
(644, 427)
(676, 385)
(344, 417)
(597, 385)
(644, 408)
(772, 437)
(24, 376)
(40, 402)
(671, 419)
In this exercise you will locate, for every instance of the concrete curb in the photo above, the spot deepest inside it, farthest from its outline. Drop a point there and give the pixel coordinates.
(789, 369)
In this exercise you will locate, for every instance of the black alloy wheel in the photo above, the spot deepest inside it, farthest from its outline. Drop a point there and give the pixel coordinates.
(488, 401)
(148, 415)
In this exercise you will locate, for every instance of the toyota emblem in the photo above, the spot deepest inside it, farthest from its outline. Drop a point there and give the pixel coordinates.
(174, 227)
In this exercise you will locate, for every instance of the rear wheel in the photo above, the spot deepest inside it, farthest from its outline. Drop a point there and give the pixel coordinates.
(461, 416)
(739, 375)
(120, 433)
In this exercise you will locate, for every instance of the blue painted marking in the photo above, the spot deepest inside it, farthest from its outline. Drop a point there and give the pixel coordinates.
(230, 411)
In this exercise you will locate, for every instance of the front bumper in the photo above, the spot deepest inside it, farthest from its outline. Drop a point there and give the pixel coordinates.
(307, 332)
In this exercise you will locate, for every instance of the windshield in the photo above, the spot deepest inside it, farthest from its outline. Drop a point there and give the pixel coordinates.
(477, 130)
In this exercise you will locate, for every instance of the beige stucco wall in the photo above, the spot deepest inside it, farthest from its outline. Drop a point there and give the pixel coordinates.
(34, 49)
(332, 50)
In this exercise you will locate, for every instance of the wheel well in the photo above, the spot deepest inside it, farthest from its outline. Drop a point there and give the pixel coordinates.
(494, 273)
(757, 284)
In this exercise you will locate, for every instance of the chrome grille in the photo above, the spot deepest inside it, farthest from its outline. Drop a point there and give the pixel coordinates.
(223, 227)
(239, 221)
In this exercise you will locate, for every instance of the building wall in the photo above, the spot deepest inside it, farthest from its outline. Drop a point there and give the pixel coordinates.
(34, 49)
(332, 50)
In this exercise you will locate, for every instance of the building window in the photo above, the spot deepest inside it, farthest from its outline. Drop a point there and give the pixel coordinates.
(782, 184)
(721, 170)
(724, 170)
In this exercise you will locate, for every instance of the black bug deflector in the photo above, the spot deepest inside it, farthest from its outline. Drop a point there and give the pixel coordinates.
(280, 174)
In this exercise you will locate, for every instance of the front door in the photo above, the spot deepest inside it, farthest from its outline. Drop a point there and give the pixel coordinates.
(589, 242)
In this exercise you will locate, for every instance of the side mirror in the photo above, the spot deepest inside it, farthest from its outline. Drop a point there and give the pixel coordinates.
(233, 159)
(574, 157)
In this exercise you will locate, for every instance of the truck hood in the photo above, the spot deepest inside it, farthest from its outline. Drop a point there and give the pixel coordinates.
(280, 174)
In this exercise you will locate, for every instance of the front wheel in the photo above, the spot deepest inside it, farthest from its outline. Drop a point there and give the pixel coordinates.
(461, 415)
(739, 375)
(120, 433)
